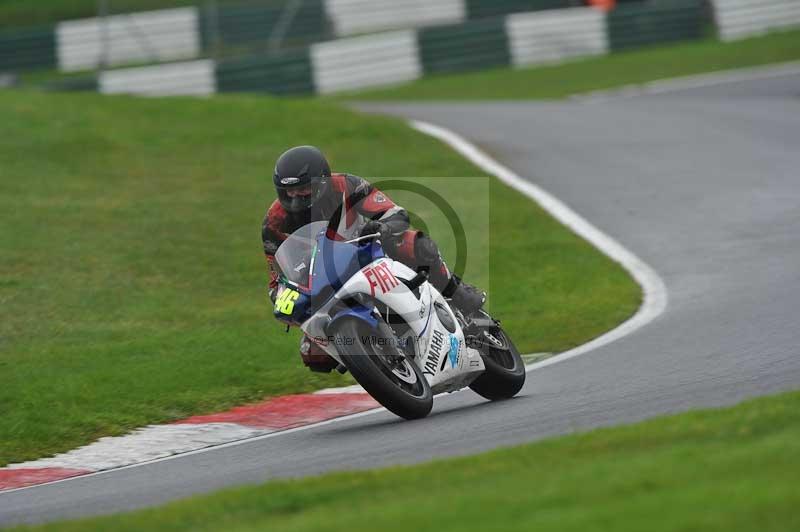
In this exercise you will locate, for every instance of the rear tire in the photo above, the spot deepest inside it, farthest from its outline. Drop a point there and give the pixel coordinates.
(394, 381)
(505, 370)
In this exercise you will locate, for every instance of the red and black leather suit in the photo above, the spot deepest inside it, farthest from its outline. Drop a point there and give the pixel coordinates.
(363, 203)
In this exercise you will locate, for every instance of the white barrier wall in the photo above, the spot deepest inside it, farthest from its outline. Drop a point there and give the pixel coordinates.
(737, 19)
(368, 61)
(163, 35)
(190, 77)
(362, 16)
(549, 36)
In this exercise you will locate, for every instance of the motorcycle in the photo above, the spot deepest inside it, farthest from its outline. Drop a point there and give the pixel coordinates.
(387, 325)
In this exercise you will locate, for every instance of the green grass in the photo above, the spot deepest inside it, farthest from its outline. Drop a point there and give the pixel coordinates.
(132, 281)
(732, 469)
(605, 72)
(22, 13)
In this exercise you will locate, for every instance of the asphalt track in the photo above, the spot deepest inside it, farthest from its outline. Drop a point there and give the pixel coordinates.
(702, 184)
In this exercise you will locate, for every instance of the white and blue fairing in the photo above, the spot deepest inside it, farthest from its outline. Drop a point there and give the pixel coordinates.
(327, 272)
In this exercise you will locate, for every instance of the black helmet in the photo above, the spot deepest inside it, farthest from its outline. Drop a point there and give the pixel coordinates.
(299, 168)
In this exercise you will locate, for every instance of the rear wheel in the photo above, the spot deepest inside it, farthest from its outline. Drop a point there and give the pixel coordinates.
(389, 376)
(505, 369)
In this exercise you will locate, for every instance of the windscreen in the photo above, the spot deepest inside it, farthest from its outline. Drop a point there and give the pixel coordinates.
(294, 256)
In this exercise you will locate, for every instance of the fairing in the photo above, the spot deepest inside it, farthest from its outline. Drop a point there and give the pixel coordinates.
(346, 279)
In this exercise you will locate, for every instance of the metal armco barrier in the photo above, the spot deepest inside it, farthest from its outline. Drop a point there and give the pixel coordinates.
(27, 49)
(189, 78)
(483, 9)
(360, 62)
(350, 17)
(556, 35)
(677, 20)
(387, 58)
(256, 24)
(151, 36)
(470, 46)
(231, 28)
(221, 29)
(737, 19)
(288, 74)
(518, 39)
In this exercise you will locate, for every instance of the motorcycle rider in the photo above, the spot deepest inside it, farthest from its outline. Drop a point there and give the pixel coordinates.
(309, 192)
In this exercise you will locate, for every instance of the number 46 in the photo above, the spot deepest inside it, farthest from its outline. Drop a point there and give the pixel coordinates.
(285, 301)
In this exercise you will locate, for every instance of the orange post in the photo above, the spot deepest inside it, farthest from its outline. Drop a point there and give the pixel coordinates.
(605, 5)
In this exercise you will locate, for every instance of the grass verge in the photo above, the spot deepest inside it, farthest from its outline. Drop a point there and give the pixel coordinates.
(15, 13)
(623, 68)
(731, 469)
(132, 281)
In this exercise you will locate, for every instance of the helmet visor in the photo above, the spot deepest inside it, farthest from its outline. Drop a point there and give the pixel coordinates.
(299, 192)
(300, 196)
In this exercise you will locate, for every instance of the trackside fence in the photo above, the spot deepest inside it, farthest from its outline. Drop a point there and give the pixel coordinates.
(391, 57)
(468, 35)
(737, 19)
(218, 28)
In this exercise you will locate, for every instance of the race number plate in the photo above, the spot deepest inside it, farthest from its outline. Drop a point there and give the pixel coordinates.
(284, 303)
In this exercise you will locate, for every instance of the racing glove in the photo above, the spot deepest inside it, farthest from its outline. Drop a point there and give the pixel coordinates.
(376, 226)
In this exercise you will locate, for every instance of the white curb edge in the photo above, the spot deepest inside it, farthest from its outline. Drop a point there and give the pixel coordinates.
(655, 292)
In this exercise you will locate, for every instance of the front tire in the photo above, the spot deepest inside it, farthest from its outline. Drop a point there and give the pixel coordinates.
(386, 374)
(505, 369)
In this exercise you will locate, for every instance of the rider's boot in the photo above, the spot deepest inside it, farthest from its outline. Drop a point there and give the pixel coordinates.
(417, 250)
(463, 296)
(315, 358)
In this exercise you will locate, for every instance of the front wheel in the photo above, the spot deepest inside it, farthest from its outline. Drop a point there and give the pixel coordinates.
(385, 373)
(505, 369)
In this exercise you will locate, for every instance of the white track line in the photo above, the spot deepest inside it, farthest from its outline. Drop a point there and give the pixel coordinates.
(203, 450)
(145, 445)
(655, 294)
